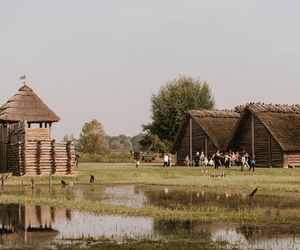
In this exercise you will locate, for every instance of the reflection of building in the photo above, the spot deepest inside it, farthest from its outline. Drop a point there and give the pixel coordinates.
(29, 223)
(25, 138)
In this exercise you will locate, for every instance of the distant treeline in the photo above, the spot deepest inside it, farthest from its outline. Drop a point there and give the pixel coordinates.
(115, 144)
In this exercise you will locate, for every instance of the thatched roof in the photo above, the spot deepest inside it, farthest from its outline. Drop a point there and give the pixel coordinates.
(217, 124)
(26, 105)
(282, 121)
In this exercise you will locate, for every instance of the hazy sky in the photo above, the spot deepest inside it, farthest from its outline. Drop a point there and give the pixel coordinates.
(104, 59)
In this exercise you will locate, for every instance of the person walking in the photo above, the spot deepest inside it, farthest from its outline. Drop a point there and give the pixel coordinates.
(252, 162)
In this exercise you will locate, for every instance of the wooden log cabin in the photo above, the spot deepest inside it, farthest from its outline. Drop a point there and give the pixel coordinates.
(271, 132)
(203, 131)
(26, 146)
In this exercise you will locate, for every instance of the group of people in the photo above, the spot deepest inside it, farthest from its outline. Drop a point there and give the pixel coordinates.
(227, 159)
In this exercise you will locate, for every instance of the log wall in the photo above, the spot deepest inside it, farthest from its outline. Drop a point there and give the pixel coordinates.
(29, 151)
(42, 158)
(292, 159)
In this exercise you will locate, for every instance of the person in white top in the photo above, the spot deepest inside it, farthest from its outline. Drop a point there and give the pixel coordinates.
(166, 159)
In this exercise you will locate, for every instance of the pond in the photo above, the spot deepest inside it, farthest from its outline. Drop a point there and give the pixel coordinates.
(52, 227)
(163, 196)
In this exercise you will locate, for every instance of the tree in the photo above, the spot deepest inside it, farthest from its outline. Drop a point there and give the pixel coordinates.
(136, 142)
(93, 138)
(76, 142)
(120, 143)
(168, 106)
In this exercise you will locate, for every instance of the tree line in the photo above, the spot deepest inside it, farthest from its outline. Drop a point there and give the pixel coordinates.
(173, 99)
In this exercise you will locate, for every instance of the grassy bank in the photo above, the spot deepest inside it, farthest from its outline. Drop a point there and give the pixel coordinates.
(254, 215)
(267, 179)
(274, 182)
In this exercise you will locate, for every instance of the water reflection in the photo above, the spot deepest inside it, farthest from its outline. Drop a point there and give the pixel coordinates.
(20, 224)
(167, 197)
(44, 225)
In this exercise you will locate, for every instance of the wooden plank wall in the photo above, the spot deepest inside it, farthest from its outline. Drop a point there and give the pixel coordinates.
(14, 159)
(276, 154)
(211, 149)
(184, 146)
(243, 141)
(262, 144)
(4, 131)
(198, 139)
(198, 143)
(38, 134)
(16, 132)
(3, 157)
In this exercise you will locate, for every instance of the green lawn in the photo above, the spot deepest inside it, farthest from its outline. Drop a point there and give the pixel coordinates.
(267, 179)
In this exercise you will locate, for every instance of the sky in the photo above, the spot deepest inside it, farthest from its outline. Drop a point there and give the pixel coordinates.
(104, 59)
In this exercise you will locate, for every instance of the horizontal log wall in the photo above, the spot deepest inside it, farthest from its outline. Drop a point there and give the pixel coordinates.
(292, 159)
(42, 158)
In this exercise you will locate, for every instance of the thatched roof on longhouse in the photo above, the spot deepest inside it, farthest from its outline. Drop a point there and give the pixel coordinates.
(282, 121)
(26, 105)
(217, 124)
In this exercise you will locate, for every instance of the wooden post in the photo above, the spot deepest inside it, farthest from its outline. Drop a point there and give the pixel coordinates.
(38, 157)
(50, 128)
(191, 139)
(252, 134)
(26, 126)
(50, 180)
(53, 157)
(269, 150)
(205, 146)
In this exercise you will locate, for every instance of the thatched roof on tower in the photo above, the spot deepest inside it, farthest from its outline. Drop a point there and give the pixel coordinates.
(282, 121)
(218, 125)
(26, 105)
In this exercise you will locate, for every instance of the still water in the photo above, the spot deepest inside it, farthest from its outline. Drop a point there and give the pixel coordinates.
(45, 226)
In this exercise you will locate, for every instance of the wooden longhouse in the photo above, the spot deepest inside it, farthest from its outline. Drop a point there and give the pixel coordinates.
(204, 130)
(26, 146)
(272, 132)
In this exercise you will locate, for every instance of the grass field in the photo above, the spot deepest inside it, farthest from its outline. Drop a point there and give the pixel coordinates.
(267, 179)
(277, 182)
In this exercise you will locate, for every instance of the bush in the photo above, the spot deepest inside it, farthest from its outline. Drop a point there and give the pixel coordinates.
(113, 157)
